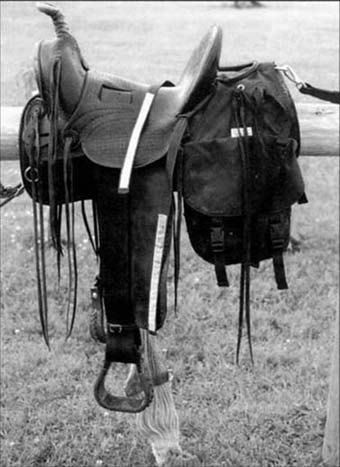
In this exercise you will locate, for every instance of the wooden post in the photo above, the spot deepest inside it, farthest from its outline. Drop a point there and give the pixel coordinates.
(330, 450)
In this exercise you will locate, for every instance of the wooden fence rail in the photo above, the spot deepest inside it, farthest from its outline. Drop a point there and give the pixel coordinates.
(319, 125)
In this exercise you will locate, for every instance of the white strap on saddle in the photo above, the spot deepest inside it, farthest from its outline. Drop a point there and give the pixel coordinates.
(125, 174)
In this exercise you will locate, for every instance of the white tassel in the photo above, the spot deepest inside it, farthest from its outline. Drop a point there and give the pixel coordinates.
(159, 422)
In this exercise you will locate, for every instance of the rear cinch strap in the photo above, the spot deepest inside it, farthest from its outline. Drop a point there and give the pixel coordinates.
(277, 243)
(217, 247)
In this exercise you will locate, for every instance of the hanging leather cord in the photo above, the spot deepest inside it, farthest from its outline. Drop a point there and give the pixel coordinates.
(52, 156)
(87, 227)
(34, 156)
(74, 257)
(95, 226)
(244, 300)
(177, 248)
(41, 226)
(174, 168)
(247, 236)
(71, 252)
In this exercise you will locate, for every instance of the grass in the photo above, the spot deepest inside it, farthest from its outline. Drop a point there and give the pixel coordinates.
(269, 415)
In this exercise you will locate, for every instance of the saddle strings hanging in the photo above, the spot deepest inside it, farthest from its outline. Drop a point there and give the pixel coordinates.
(93, 240)
(70, 235)
(174, 168)
(38, 222)
(56, 209)
(55, 213)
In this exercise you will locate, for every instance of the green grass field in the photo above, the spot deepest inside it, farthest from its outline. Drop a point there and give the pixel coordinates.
(269, 415)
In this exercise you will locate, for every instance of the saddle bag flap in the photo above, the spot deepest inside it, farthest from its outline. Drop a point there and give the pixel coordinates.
(212, 178)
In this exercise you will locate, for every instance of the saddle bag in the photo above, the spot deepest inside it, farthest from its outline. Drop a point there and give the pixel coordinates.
(240, 174)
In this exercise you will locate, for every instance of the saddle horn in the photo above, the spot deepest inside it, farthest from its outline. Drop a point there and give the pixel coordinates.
(58, 19)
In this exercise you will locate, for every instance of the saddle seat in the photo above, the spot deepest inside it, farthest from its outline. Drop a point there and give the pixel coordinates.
(109, 106)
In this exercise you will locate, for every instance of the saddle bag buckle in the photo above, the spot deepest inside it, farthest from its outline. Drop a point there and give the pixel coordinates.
(217, 237)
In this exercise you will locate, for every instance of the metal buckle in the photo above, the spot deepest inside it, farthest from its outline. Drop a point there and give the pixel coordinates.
(275, 233)
(217, 238)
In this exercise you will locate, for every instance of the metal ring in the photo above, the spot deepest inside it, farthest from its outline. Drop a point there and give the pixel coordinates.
(241, 87)
(28, 171)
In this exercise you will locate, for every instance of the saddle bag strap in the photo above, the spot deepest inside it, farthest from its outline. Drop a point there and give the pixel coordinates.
(323, 94)
(217, 248)
(277, 244)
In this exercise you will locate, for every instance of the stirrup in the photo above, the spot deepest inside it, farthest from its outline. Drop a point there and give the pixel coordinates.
(121, 403)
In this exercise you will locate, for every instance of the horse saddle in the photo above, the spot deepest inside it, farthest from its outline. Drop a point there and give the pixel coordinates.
(119, 124)
(103, 108)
